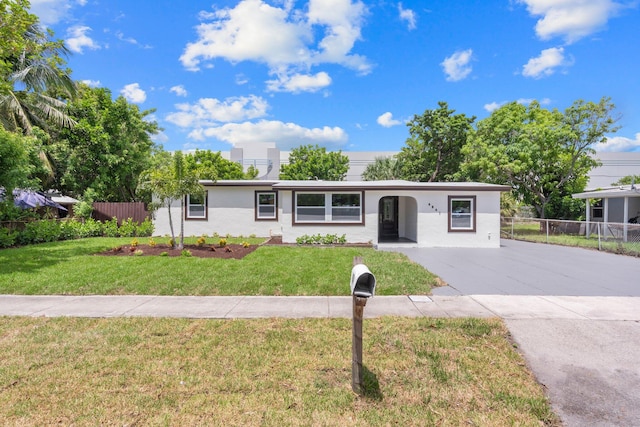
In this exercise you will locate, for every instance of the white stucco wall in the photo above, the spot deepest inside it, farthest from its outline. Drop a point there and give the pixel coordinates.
(230, 211)
(423, 218)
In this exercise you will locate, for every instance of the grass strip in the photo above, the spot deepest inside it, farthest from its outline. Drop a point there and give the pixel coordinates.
(267, 372)
(73, 268)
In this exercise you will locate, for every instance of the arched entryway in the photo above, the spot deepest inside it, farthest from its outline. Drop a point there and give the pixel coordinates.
(397, 219)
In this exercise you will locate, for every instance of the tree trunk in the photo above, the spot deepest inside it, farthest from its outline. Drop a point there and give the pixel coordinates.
(173, 236)
(181, 245)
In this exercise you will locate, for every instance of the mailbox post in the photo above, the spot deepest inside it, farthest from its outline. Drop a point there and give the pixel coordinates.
(363, 284)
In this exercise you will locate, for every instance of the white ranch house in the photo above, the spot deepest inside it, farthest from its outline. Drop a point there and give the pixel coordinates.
(389, 213)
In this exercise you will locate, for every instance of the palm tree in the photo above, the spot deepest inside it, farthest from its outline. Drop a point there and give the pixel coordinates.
(34, 75)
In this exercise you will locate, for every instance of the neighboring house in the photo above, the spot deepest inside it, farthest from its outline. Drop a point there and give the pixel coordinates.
(379, 212)
(613, 205)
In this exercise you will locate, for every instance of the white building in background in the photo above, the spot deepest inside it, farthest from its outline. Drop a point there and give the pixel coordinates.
(267, 159)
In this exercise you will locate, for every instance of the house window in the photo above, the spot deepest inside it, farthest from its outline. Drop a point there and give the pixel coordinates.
(597, 210)
(266, 205)
(196, 206)
(344, 208)
(462, 213)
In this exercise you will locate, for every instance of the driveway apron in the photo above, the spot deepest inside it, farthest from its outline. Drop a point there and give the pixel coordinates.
(589, 366)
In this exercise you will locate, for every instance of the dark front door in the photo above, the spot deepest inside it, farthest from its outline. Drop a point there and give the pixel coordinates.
(388, 218)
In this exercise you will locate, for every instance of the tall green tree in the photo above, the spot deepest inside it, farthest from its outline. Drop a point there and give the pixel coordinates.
(169, 181)
(207, 164)
(433, 149)
(312, 162)
(16, 166)
(628, 180)
(382, 169)
(35, 82)
(106, 150)
(544, 155)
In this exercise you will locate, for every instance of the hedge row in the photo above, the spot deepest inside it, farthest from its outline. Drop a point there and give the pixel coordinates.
(51, 230)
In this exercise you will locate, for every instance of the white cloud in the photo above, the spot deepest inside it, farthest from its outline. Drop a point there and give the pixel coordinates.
(241, 79)
(210, 111)
(92, 83)
(409, 16)
(545, 64)
(179, 90)
(120, 36)
(524, 101)
(77, 39)
(493, 106)
(285, 135)
(282, 38)
(527, 101)
(50, 12)
(386, 120)
(133, 93)
(571, 19)
(160, 138)
(299, 83)
(619, 143)
(456, 66)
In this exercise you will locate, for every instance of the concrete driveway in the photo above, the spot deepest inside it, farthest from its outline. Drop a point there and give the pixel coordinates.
(590, 367)
(524, 268)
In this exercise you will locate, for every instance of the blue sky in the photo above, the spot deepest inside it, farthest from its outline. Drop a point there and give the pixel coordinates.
(347, 74)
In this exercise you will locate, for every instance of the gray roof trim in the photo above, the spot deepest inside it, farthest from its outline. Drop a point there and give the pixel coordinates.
(359, 185)
(236, 183)
(609, 193)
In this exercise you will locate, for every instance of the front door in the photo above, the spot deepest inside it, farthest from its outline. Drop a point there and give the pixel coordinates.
(388, 218)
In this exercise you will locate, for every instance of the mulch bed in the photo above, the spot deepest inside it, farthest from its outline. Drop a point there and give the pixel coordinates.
(230, 251)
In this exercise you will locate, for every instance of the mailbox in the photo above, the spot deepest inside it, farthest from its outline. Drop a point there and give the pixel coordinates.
(363, 282)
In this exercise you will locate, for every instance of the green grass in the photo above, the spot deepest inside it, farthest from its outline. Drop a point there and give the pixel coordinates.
(266, 372)
(531, 232)
(73, 268)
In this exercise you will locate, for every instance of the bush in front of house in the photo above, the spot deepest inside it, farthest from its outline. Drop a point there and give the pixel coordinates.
(319, 239)
(51, 230)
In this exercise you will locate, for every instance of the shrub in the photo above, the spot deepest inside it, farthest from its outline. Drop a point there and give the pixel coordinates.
(152, 242)
(90, 228)
(185, 253)
(46, 230)
(222, 243)
(110, 228)
(145, 228)
(127, 228)
(164, 253)
(7, 237)
(318, 239)
(245, 244)
(201, 241)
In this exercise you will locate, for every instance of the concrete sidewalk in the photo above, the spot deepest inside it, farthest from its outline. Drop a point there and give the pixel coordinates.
(247, 307)
(583, 350)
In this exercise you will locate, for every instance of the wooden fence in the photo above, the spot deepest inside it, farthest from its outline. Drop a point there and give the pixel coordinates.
(104, 211)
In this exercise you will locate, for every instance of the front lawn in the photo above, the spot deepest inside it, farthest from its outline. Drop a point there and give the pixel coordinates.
(74, 268)
(264, 372)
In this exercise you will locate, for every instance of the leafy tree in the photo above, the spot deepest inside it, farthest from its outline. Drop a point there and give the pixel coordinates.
(309, 162)
(383, 168)
(433, 149)
(106, 150)
(628, 180)
(544, 155)
(207, 164)
(34, 80)
(15, 162)
(170, 181)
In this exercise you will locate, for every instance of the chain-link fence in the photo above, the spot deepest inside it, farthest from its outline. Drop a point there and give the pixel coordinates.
(611, 237)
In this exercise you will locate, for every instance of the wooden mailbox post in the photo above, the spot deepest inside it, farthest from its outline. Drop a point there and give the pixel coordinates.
(362, 288)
